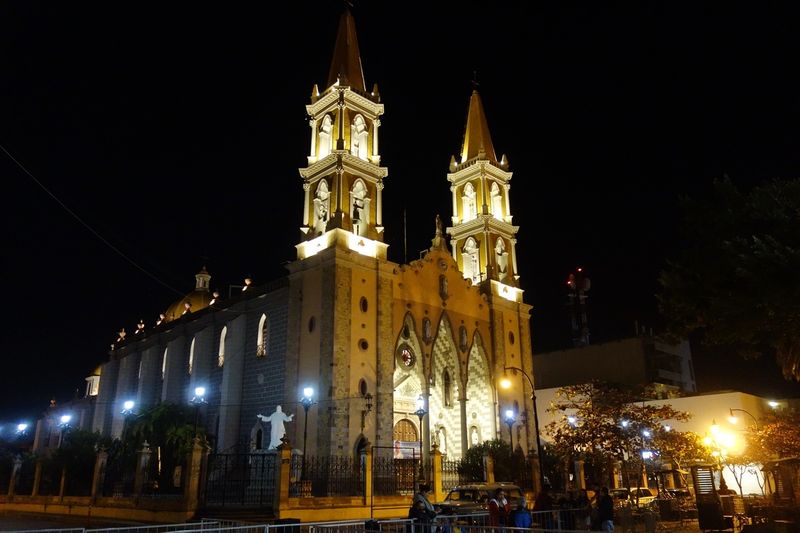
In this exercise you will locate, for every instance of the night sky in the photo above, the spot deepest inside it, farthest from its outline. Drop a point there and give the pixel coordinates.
(161, 137)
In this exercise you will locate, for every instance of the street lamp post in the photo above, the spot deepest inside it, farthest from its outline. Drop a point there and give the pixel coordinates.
(510, 423)
(506, 384)
(64, 425)
(734, 419)
(127, 409)
(198, 399)
(420, 412)
(307, 401)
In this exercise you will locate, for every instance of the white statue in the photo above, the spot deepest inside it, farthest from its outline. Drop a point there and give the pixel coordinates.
(277, 430)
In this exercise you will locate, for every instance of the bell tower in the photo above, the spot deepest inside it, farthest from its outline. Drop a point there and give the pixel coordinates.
(343, 182)
(482, 237)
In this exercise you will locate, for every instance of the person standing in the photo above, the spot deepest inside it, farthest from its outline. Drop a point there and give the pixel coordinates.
(499, 509)
(605, 511)
(520, 517)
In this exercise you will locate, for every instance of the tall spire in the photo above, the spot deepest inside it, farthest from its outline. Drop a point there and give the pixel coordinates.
(477, 140)
(346, 62)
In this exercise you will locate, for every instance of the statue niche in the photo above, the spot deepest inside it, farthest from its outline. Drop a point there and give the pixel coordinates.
(359, 208)
(321, 207)
(501, 257)
(469, 208)
(325, 136)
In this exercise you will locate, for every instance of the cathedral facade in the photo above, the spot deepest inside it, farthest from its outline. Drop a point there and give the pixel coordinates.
(375, 340)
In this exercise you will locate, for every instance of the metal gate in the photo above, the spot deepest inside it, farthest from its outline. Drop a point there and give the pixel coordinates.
(241, 480)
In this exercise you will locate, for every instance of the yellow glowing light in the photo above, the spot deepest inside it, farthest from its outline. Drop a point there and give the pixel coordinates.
(505, 382)
(707, 441)
(733, 419)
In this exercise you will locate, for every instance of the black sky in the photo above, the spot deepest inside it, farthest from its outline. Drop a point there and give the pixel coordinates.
(175, 131)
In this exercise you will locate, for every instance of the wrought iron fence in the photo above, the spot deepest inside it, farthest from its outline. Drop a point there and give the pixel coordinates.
(328, 476)
(454, 473)
(50, 481)
(525, 475)
(27, 473)
(117, 477)
(240, 479)
(392, 475)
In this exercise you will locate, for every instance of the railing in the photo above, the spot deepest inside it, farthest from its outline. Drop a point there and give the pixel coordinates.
(328, 476)
(240, 479)
(117, 477)
(391, 476)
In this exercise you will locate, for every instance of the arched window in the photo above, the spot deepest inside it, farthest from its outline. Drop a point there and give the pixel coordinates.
(164, 364)
(263, 336)
(447, 389)
(443, 294)
(497, 202)
(358, 137)
(325, 136)
(405, 431)
(191, 356)
(221, 355)
(462, 338)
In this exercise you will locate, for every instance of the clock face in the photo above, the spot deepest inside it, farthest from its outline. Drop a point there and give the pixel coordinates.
(406, 357)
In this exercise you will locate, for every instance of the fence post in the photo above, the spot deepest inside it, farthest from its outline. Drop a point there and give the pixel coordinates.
(142, 462)
(37, 478)
(488, 468)
(63, 484)
(536, 471)
(367, 462)
(436, 475)
(99, 474)
(192, 488)
(282, 466)
(12, 483)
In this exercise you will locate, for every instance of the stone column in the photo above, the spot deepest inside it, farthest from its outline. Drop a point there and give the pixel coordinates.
(283, 465)
(142, 462)
(37, 478)
(488, 468)
(580, 479)
(98, 477)
(62, 485)
(12, 483)
(191, 490)
(533, 460)
(436, 475)
(366, 458)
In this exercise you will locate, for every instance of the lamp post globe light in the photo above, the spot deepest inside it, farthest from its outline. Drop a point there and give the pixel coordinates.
(307, 401)
(506, 384)
(127, 410)
(21, 428)
(733, 419)
(198, 399)
(510, 423)
(420, 412)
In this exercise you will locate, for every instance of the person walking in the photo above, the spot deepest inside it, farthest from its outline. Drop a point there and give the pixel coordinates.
(605, 511)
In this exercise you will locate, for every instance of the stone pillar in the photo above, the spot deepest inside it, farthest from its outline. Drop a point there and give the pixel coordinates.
(436, 475)
(98, 477)
(580, 479)
(366, 460)
(37, 478)
(533, 460)
(12, 483)
(191, 490)
(143, 461)
(283, 465)
(488, 468)
(63, 483)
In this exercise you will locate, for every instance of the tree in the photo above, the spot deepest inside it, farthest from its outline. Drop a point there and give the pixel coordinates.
(776, 436)
(507, 464)
(734, 282)
(603, 424)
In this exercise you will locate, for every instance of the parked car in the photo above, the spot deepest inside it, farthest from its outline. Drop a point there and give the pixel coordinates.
(641, 496)
(474, 497)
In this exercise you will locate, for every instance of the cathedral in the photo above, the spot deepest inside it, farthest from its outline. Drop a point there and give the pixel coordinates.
(392, 355)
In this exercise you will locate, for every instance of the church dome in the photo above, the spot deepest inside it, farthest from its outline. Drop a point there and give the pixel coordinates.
(198, 299)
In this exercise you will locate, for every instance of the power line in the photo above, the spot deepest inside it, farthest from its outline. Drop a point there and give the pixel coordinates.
(87, 226)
